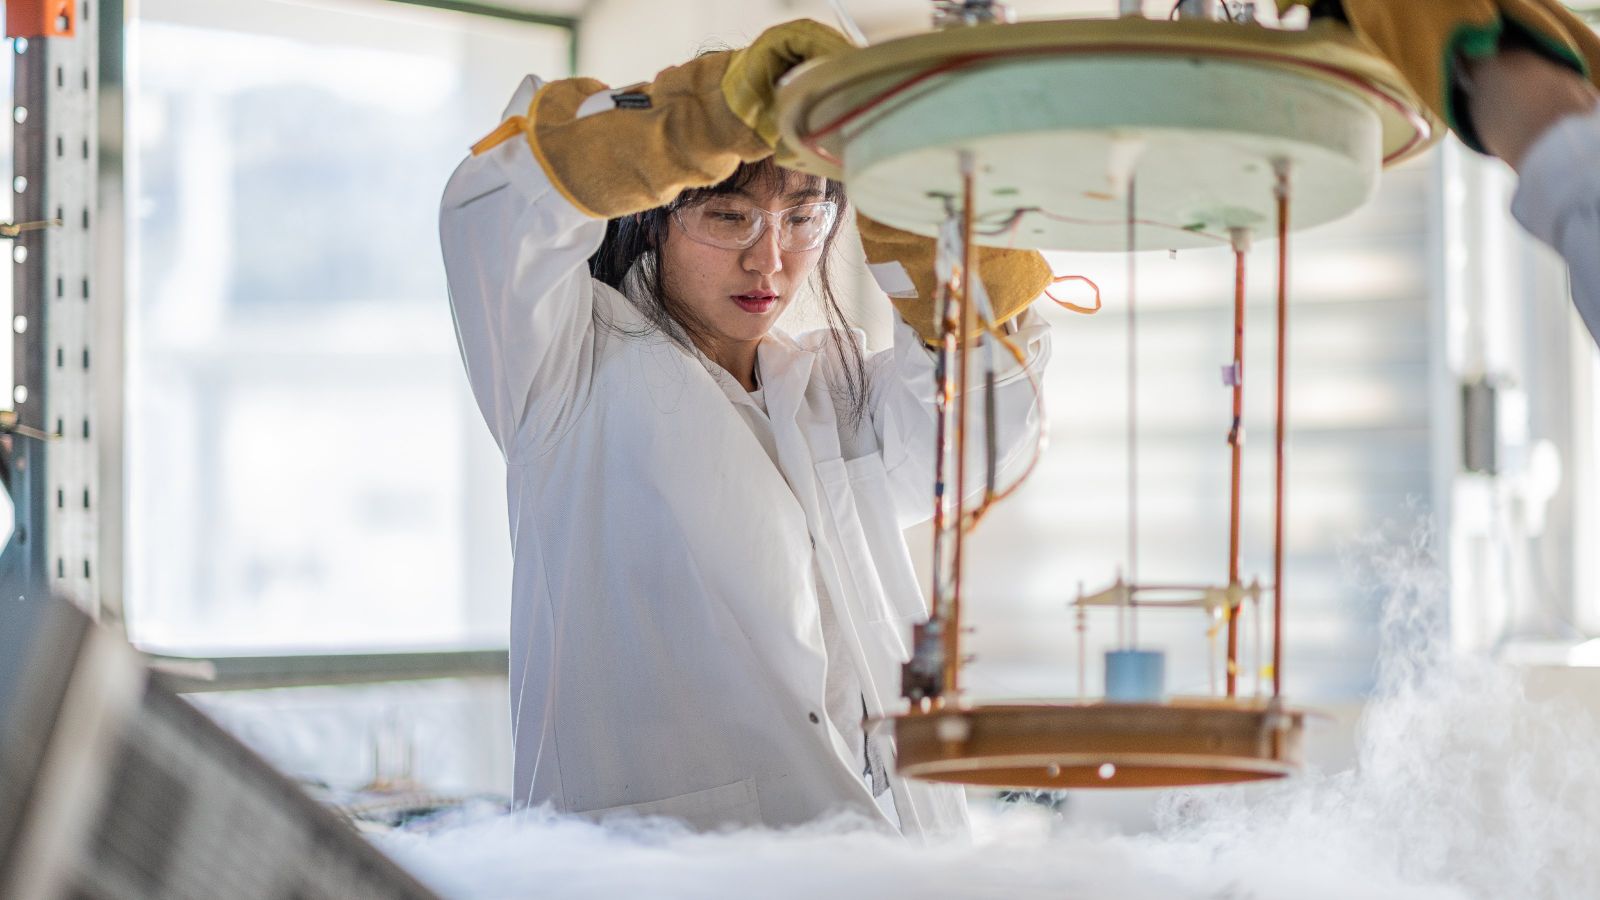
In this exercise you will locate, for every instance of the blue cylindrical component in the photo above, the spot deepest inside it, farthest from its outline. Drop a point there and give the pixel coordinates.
(1136, 676)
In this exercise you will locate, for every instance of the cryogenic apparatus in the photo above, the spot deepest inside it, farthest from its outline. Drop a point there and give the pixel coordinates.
(1208, 129)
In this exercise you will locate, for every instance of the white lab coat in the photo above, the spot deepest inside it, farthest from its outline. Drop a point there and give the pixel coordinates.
(1558, 201)
(666, 653)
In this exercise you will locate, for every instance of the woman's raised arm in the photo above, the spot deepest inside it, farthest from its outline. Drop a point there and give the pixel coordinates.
(522, 215)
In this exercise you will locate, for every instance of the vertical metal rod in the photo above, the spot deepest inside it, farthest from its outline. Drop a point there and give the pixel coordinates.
(949, 306)
(923, 680)
(1241, 239)
(969, 261)
(1083, 648)
(1255, 605)
(942, 404)
(1211, 661)
(1282, 191)
(58, 548)
(1126, 611)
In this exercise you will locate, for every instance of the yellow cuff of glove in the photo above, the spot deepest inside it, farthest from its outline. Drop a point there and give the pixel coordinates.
(1427, 39)
(1013, 278)
(660, 139)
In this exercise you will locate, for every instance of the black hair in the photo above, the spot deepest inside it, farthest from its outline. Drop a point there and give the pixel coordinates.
(630, 237)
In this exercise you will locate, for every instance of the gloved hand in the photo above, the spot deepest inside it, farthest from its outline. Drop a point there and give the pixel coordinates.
(1427, 40)
(753, 73)
(1014, 278)
(638, 147)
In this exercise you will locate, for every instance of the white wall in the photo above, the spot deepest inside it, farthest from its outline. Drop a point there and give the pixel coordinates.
(623, 41)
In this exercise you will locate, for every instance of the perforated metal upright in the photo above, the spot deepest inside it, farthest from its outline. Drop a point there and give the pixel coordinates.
(68, 325)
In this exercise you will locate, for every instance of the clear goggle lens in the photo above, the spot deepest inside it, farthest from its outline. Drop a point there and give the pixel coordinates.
(737, 225)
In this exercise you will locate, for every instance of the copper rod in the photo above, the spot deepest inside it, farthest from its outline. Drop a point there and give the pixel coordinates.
(969, 262)
(1282, 192)
(941, 407)
(1236, 446)
(942, 397)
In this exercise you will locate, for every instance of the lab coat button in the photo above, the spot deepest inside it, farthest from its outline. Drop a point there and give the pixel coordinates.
(814, 719)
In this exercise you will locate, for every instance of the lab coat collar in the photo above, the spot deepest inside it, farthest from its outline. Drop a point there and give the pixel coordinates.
(785, 372)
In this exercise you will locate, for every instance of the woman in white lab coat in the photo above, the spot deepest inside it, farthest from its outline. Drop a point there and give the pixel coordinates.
(710, 586)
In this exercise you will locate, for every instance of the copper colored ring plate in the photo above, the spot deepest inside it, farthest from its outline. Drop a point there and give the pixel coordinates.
(1101, 745)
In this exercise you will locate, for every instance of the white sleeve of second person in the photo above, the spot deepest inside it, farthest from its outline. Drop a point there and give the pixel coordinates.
(516, 258)
(1558, 200)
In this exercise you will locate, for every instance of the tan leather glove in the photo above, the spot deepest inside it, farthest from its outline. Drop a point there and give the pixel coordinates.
(1014, 278)
(638, 147)
(753, 73)
(1428, 39)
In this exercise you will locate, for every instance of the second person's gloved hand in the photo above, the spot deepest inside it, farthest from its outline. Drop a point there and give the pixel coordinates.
(1428, 40)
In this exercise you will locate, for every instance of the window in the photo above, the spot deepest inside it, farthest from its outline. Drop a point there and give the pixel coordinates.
(306, 468)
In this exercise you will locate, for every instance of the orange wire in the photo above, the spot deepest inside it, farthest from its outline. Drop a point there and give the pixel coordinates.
(1067, 304)
(970, 520)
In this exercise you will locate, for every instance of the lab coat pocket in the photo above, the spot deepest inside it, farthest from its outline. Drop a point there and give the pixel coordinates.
(728, 804)
(870, 541)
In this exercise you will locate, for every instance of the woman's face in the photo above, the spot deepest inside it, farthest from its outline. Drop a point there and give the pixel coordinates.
(736, 296)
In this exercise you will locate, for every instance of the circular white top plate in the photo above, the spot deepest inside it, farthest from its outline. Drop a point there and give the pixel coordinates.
(1064, 119)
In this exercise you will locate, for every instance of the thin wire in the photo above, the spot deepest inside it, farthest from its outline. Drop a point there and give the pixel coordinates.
(947, 305)
(985, 314)
(848, 23)
(969, 261)
(1010, 224)
(1040, 443)
(1133, 412)
(1069, 305)
(1282, 191)
(991, 435)
(1255, 603)
(1151, 223)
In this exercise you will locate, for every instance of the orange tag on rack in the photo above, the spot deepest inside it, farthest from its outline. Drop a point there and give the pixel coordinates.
(41, 18)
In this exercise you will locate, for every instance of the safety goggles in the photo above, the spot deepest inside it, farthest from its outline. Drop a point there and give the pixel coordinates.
(734, 224)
